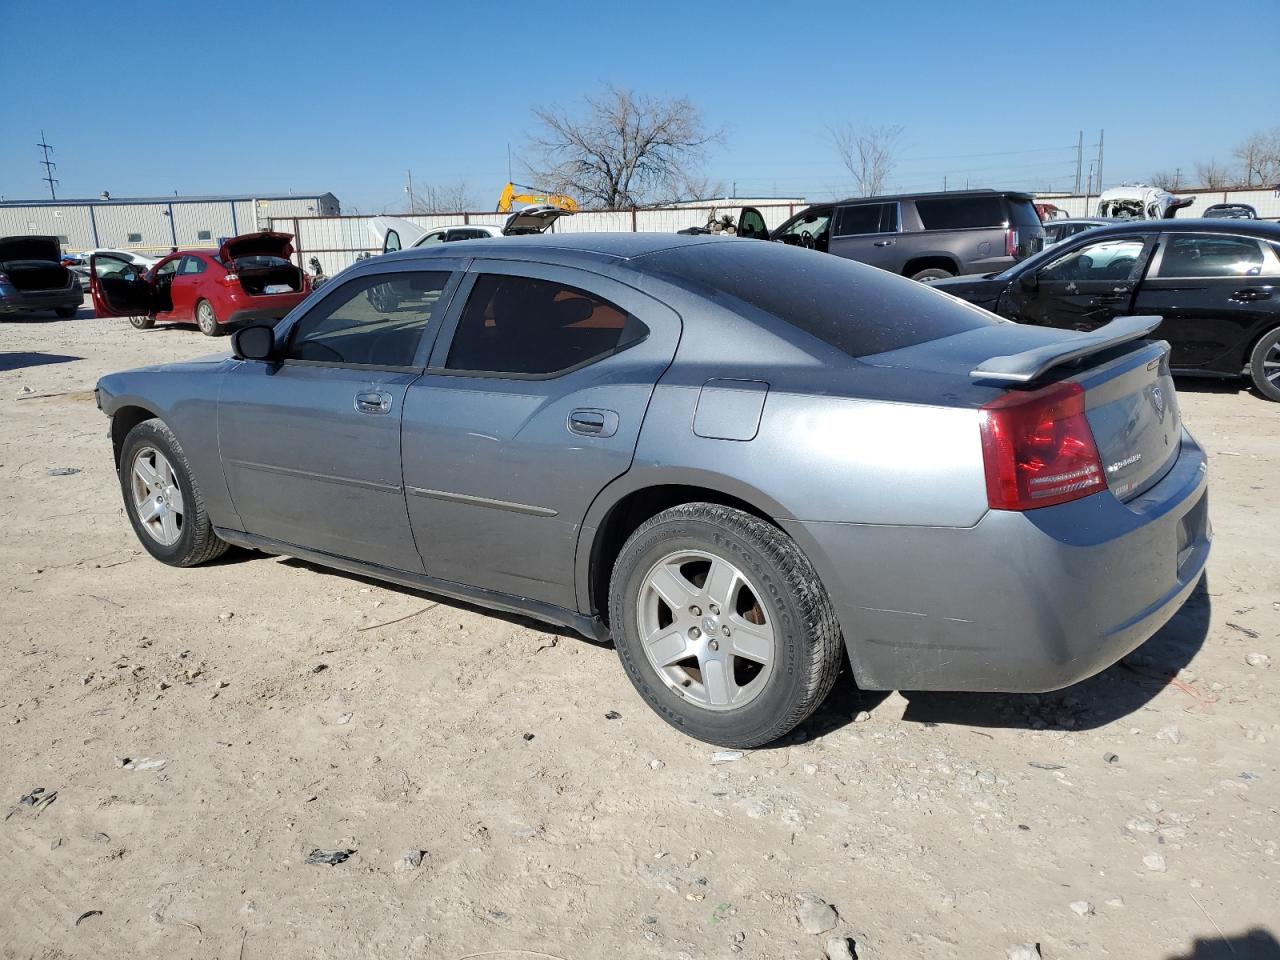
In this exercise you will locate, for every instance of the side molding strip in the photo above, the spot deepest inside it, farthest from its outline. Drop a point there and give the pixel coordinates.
(508, 505)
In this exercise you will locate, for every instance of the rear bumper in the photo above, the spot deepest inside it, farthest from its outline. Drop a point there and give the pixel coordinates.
(250, 315)
(241, 308)
(14, 301)
(1020, 602)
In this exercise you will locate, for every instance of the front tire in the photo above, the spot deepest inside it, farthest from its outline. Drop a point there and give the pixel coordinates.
(1264, 365)
(162, 499)
(207, 320)
(932, 273)
(142, 323)
(722, 625)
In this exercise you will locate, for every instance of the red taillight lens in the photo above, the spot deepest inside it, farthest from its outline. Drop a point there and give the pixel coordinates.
(1039, 450)
(1011, 242)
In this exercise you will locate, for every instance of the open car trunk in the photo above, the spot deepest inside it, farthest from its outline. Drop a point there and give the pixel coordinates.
(36, 274)
(264, 276)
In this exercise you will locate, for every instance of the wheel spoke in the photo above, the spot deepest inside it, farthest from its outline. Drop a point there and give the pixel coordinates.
(169, 525)
(722, 584)
(146, 473)
(717, 681)
(149, 509)
(668, 648)
(752, 641)
(174, 495)
(669, 584)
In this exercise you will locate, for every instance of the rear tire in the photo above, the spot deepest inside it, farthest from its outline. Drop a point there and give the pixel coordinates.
(1264, 365)
(740, 658)
(207, 320)
(66, 313)
(162, 499)
(142, 323)
(932, 273)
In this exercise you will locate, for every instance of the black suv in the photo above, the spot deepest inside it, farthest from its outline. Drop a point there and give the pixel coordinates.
(924, 236)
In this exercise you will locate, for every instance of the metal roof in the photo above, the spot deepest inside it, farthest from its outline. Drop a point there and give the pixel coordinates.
(115, 201)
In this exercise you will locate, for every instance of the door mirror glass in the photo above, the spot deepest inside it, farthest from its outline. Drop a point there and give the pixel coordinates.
(257, 342)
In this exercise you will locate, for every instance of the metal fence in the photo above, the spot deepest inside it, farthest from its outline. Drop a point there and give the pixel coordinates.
(338, 241)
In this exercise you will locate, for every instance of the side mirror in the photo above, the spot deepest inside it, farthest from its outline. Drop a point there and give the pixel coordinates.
(256, 342)
(1029, 282)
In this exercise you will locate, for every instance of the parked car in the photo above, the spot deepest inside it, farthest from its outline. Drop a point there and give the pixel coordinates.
(396, 233)
(249, 278)
(1058, 230)
(1231, 211)
(1140, 201)
(129, 256)
(741, 461)
(923, 236)
(1216, 283)
(33, 279)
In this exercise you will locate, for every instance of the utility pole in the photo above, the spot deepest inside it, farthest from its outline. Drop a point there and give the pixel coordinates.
(1079, 159)
(408, 188)
(944, 183)
(509, 178)
(1101, 134)
(1177, 178)
(48, 166)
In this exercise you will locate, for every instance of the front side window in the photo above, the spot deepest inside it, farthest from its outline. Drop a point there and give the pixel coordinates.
(751, 224)
(374, 321)
(167, 269)
(809, 226)
(867, 218)
(526, 327)
(392, 242)
(435, 236)
(960, 213)
(1106, 261)
(1204, 256)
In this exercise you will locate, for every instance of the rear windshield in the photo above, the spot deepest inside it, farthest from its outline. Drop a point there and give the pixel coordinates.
(1022, 213)
(959, 213)
(858, 309)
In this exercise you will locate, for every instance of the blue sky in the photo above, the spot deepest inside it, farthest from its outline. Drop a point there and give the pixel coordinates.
(265, 97)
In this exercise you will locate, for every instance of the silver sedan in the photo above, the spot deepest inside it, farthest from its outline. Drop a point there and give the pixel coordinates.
(745, 463)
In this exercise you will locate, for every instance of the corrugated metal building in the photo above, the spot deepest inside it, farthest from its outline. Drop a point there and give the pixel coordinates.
(154, 224)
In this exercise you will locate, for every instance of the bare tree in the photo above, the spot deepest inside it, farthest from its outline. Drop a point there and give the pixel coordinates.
(1212, 175)
(621, 149)
(446, 198)
(1164, 180)
(1259, 157)
(869, 153)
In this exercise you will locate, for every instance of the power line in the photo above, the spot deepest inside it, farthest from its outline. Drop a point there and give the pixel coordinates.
(48, 166)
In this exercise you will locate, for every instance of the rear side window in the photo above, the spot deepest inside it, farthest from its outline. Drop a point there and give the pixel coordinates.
(866, 218)
(855, 308)
(374, 321)
(525, 327)
(959, 213)
(1210, 256)
(191, 265)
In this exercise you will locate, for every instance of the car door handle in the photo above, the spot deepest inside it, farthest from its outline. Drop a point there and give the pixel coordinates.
(884, 243)
(373, 401)
(1252, 293)
(593, 423)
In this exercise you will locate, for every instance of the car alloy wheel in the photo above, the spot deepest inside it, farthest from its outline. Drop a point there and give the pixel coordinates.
(705, 630)
(1271, 365)
(206, 320)
(157, 498)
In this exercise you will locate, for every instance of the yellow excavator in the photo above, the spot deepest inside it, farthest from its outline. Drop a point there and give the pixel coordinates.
(531, 196)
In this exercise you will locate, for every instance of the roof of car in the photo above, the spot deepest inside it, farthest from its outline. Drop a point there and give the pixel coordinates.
(592, 246)
(1265, 228)
(948, 194)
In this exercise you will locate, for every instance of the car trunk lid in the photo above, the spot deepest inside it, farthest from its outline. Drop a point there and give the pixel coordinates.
(263, 243)
(532, 220)
(30, 248)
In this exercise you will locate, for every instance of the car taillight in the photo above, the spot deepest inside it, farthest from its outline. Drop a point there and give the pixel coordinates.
(1011, 242)
(1038, 449)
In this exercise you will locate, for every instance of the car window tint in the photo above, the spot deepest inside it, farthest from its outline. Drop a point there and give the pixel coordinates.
(376, 320)
(751, 224)
(523, 326)
(191, 265)
(1211, 256)
(865, 218)
(1106, 260)
(392, 242)
(436, 236)
(855, 308)
(958, 213)
(1022, 213)
(813, 223)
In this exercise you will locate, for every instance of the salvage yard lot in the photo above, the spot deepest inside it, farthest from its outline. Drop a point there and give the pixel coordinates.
(297, 709)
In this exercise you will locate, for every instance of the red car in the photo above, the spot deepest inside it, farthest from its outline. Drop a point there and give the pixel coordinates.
(249, 278)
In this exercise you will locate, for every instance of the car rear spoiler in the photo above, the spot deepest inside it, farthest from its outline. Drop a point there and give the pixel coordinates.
(1033, 364)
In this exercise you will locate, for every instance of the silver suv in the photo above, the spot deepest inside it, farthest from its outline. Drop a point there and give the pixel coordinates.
(924, 236)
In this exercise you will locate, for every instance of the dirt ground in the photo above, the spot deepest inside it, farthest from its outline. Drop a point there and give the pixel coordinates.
(296, 709)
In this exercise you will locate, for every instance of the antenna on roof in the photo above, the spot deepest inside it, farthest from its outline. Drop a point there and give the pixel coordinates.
(48, 166)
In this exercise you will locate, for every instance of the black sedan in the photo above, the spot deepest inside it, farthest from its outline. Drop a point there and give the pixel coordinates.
(1215, 282)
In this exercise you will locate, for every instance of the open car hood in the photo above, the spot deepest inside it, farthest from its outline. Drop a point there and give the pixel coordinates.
(265, 243)
(30, 248)
(408, 231)
(532, 219)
